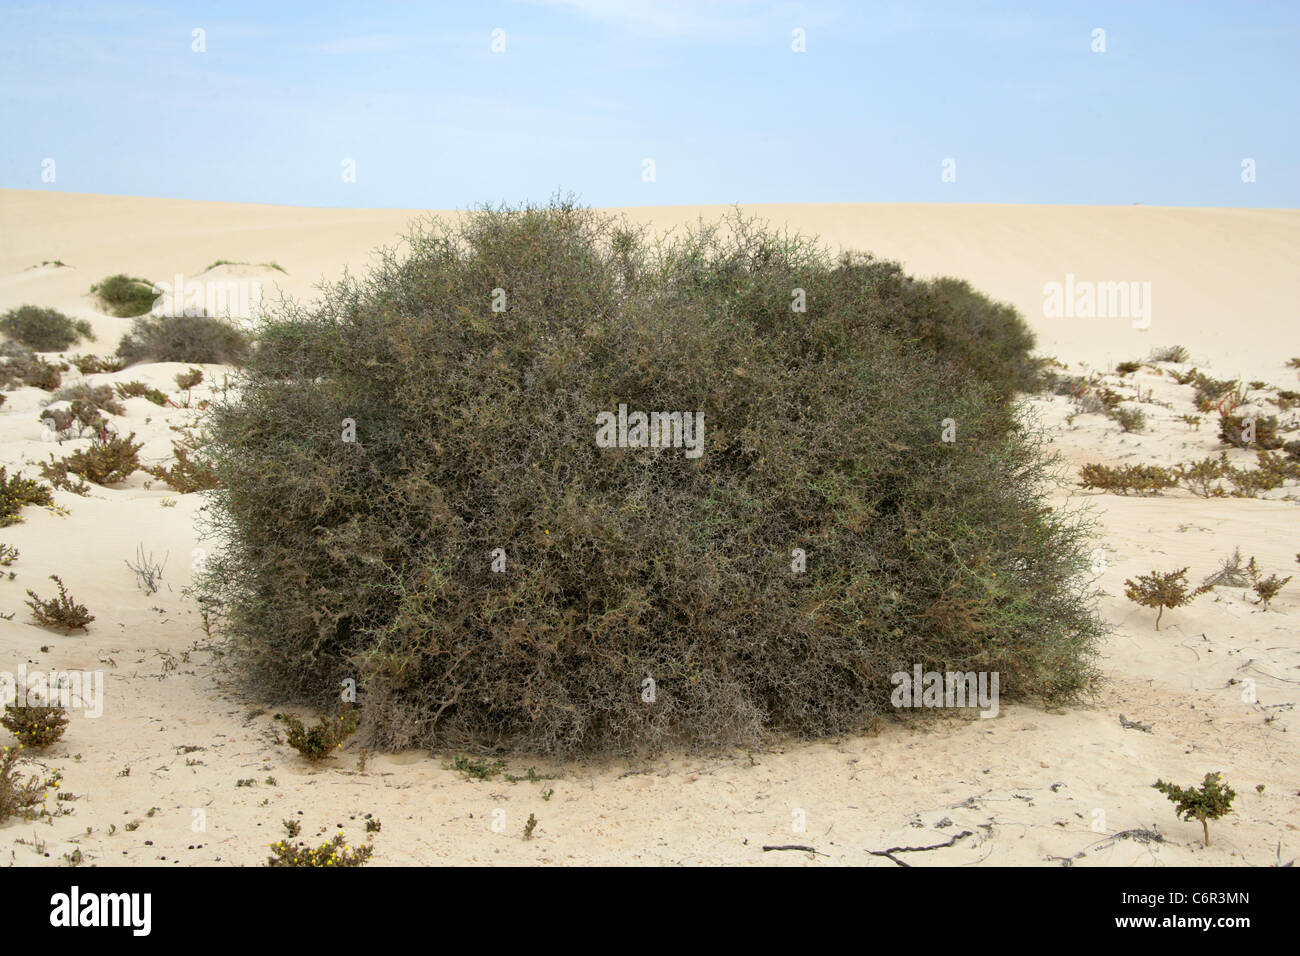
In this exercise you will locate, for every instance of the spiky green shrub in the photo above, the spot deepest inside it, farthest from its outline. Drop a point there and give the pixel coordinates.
(101, 397)
(1160, 590)
(1122, 479)
(61, 612)
(333, 853)
(21, 367)
(140, 390)
(45, 330)
(16, 492)
(191, 471)
(371, 559)
(24, 796)
(124, 296)
(200, 339)
(1211, 800)
(108, 460)
(35, 725)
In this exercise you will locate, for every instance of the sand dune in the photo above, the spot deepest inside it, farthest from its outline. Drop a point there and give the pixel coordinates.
(1031, 787)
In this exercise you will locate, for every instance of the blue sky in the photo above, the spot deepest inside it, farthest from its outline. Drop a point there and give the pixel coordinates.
(586, 90)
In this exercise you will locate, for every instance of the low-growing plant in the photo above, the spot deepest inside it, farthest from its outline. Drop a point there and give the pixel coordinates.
(61, 612)
(1129, 419)
(8, 555)
(189, 378)
(101, 397)
(1191, 421)
(1170, 353)
(1123, 479)
(198, 339)
(16, 492)
(79, 420)
(1247, 431)
(35, 725)
(1265, 588)
(124, 296)
(148, 571)
(1202, 478)
(23, 797)
(1127, 368)
(191, 472)
(1161, 590)
(107, 461)
(1231, 573)
(334, 853)
(93, 364)
(477, 768)
(30, 370)
(1210, 391)
(139, 389)
(55, 471)
(318, 742)
(1210, 801)
(44, 330)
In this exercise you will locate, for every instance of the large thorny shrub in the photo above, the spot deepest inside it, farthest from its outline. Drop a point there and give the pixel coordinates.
(475, 430)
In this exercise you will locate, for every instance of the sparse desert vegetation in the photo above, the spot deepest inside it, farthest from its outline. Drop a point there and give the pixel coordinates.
(43, 330)
(124, 296)
(380, 557)
(198, 339)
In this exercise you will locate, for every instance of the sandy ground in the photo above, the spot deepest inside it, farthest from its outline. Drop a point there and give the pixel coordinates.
(181, 769)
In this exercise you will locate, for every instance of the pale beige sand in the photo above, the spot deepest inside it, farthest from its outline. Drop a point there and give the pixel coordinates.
(1029, 786)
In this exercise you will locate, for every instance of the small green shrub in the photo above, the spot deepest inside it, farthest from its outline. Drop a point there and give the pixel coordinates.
(198, 339)
(8, 555)
(318, 742)
(107, 461)
(1171, 353)
(23, 797)
(334, 853)
(93, 364)
(1130, 419)
(1237, 430)
(189, 473)
(1265, 588)
(16, 492)
(30, 370)
(1127, 368)
(45, 330)
(62, 612)
(189, 378)
(140, 390)
(35, 725)
(1203, 478)
(1123, 479)
(124, 296)
(1213, 799)
(1161, 590)
(57, 474)
(101, 397)
(477, 768)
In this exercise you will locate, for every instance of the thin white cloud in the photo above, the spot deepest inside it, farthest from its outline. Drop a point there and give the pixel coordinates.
(373, 43)
(737, 20)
